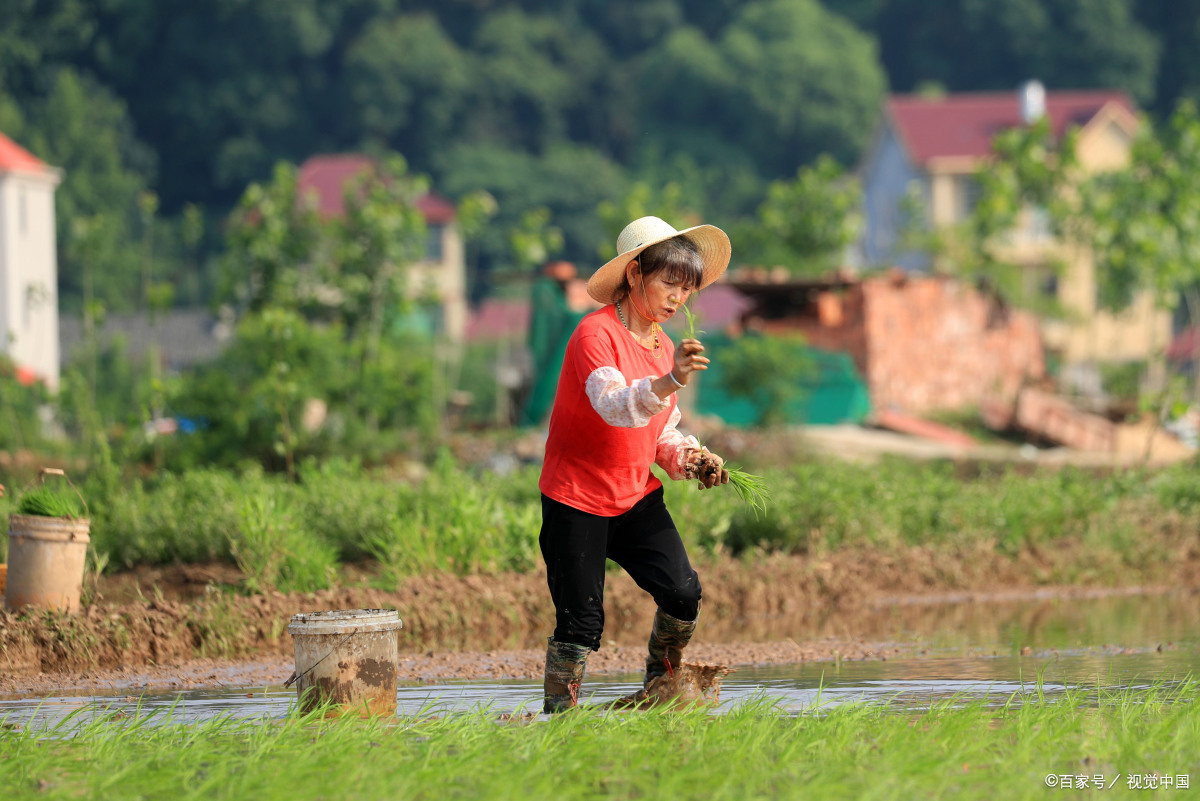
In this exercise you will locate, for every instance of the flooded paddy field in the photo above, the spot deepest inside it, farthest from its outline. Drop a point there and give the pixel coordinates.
(912, 698)
(903, 652)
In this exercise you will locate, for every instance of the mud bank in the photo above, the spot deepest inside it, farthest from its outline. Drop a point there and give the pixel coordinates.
(144, 625)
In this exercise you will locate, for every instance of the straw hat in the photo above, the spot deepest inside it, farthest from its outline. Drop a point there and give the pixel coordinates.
(640, 234)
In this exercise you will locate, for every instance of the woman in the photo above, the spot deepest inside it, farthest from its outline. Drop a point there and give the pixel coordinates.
(614, 414)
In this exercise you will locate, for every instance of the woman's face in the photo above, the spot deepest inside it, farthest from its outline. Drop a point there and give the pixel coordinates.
(662, 296)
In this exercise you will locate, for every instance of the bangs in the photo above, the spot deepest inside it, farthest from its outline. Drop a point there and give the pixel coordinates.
(678, 260)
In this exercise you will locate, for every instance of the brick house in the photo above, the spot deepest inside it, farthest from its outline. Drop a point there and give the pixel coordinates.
(937, 145)
(443, 270)
(922, 343)
(28, 263)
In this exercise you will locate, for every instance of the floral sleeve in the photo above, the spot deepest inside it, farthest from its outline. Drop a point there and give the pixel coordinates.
(619, 404)
(673, 447)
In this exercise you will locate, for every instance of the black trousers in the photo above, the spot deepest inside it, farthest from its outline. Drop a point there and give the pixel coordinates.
(643, 541)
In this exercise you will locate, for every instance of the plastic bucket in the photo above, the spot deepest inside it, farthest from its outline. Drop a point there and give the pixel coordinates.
(347, 658)
(45, 561)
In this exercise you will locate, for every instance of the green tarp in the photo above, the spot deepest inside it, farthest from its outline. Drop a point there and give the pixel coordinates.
(834, 394)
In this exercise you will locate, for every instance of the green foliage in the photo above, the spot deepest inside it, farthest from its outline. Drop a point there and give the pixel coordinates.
(82, 128)
(459, 523)
(769, 370)
(20, 425)
(805, 224)
(668, 202)
(1142, 220)
(973, 46)
(275, 550)
(1032, 175)
(534, 239)
(792, 82)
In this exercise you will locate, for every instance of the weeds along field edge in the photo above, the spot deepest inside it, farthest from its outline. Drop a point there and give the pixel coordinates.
(950, 750)
(292, 536)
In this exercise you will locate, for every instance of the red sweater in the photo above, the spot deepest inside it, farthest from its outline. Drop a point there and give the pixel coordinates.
(590, 465)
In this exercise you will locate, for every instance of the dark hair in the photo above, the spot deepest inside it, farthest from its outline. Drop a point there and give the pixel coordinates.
(678, 257)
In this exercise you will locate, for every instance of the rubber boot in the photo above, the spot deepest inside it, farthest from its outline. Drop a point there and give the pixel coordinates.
(668, 638)
(564, 674)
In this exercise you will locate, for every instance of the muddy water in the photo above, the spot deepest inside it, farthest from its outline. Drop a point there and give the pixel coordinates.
(954, 649)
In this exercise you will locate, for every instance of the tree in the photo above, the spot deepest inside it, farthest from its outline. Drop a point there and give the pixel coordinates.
(1031, 172)
(83, 129)
(271, 234)
(785, 82)
(1144, 221)
(967, 45)
(805, 224)
(407, 86)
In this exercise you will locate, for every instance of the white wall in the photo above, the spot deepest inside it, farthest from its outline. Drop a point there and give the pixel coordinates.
(29, 273)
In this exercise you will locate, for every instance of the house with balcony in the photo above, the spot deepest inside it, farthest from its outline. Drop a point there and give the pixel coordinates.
(28, 264)
(442, 272)
(933, 148)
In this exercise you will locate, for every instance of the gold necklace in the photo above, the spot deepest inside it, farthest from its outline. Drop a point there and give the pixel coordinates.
(656, 351)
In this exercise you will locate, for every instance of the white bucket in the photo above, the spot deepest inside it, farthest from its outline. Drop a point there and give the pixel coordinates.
(347, 658)
(46, 556)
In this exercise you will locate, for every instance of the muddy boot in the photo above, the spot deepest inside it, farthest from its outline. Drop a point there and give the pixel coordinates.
(564, 673)
(668, 638)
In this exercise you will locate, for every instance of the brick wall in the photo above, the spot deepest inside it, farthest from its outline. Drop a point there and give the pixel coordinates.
(924, 343)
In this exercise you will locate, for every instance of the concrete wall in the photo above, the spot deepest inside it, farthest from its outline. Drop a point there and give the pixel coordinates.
(29, 273)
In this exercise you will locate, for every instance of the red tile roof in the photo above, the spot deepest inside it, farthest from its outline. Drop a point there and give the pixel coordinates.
(963, 125)
(498, 318)
(14, 158)
(327, 175)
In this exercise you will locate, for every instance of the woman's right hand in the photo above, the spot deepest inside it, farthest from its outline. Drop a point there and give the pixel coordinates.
(688, 359)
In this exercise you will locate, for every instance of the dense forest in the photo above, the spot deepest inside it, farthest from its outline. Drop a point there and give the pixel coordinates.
(162, 113)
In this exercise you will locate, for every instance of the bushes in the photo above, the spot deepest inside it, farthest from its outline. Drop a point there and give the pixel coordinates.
(291, 535)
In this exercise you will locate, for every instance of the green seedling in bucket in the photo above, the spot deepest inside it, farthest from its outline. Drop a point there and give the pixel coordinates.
(43, 501)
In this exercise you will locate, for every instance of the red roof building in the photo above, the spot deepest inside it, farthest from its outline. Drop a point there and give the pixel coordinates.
(963, 126)
(326, 176)
(14, 158)
(930, 150)
(28, 264)
(443, 268)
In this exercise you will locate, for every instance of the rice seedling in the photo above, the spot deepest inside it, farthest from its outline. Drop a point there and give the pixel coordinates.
(952, 749)
(690, 330)
(44, 501)
(752, 489)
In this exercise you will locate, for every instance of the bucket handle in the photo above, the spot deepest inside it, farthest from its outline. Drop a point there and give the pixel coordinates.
(58, 471)
(295, 677)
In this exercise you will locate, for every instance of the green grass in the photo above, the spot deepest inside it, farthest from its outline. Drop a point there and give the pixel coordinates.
(955, 751)
(1131, 523)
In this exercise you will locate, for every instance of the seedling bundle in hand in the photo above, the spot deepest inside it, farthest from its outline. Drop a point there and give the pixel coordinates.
(752, 489)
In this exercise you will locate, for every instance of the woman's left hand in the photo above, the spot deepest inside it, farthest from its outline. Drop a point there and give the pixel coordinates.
(707, 468)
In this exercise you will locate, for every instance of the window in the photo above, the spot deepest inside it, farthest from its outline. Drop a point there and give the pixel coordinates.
(966, 191)
(433, 245)
(22, 213)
